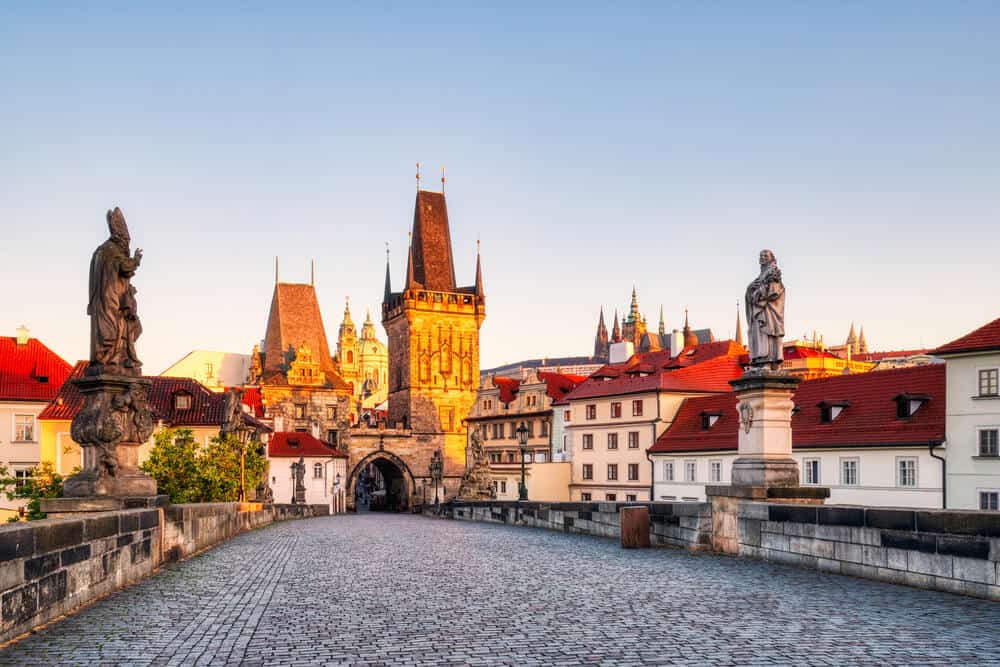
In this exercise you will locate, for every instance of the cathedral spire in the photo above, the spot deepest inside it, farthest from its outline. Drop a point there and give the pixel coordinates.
(690, 338)
(633, 313)
(388, 282)
(739, 326)
(862, 343)
(852, 338)
(663, 325)
(616, 331)
(601, 339)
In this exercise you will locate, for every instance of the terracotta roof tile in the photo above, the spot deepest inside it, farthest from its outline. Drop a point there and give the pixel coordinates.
(433, 266)
(870, 419)
(986, 337)
(711, 375)
(30, 372)
(293, 445)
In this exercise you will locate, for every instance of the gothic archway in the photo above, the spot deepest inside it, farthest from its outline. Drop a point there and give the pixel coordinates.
(381, 482)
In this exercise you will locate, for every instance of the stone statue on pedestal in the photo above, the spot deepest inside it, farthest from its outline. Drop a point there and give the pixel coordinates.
(765, 305)
(477, 483)
(115, 418)
(299, 472)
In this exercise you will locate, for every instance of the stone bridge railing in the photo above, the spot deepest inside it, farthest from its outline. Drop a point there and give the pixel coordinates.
(944, 550)
(54, 566)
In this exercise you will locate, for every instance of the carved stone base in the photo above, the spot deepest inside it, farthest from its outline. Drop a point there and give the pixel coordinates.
(760, 471)
(89, 484)
(58, 507)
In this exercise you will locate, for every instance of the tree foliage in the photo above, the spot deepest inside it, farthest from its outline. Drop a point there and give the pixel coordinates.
(43, 482)
(190, 473)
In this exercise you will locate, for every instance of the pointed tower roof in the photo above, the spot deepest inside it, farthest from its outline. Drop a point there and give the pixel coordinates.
(601, 327)
(431, 259)
(368, 328)
(852, 338)
(690, 337)
(347, 324)
(739, 326)
(295, 321)
(633, 311)
(388, 281)
(616, 331)
(479, 273)
(663, 325)
(862, 343)
(411, 283)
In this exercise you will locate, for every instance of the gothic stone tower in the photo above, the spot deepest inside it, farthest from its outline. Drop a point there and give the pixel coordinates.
(433, 328)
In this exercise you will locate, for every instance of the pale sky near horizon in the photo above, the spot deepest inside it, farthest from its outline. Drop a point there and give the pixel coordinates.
(658, 145)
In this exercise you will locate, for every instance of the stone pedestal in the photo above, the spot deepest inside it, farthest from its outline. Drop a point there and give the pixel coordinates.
(114, 422)
(63, 507)
(765, 439)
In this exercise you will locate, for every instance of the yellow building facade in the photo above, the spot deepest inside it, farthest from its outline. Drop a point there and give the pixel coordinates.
(363, 362)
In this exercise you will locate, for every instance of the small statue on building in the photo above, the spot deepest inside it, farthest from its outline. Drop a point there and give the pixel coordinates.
(477, 483)
(765, 306)
(299, 474)
(232, 418)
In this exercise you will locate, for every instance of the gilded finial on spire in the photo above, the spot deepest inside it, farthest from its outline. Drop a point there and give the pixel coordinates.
(418, 177)
(443, 179)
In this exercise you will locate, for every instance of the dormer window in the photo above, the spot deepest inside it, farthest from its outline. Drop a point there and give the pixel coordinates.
(708, 419)
(293, 443)
(907, 404)
(182, 401)
(830, 410)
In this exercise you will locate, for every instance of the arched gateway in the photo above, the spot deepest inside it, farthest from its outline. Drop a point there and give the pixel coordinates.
(381, 482)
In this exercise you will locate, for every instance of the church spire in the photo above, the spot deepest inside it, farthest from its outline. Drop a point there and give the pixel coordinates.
(852, 338)
(616, 331)
(633, 313)
(862, 343)
(601, 339)
(739, 326)
(663, 325)
(388, 282)
(690, 338)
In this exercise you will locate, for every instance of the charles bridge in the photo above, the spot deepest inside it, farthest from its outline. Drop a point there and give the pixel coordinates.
(400, 589)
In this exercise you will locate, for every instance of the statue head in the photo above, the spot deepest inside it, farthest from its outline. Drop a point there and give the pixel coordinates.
(767, 258)
(117, 226)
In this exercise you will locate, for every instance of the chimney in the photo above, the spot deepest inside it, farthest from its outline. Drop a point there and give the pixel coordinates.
(676, 342)
(621, 352)
(22, 335)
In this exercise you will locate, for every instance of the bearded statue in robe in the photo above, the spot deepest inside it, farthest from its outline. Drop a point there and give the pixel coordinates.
(765, 306)
(114, 318)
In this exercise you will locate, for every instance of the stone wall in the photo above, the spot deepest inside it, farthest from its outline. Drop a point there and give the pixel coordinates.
(954, 551)
(52, 567)
(686, 525)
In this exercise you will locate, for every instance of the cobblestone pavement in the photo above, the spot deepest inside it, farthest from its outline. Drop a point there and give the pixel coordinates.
(379, 590)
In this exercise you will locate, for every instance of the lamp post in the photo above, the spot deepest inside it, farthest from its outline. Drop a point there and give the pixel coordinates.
(243, 433)
(522, 438)
(335, 495)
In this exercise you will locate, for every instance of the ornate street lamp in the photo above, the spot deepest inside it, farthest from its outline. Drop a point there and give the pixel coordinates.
(436, 472)
(522, 438)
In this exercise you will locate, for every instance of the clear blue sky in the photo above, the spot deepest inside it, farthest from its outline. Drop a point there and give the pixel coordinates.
(590, 148)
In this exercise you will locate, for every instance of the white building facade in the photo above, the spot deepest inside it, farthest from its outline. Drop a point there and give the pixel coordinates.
(325, 477)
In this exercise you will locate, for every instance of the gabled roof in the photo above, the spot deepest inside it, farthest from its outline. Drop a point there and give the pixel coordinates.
(293, 445)
(208, 408)
(711, 375)
(557, 385)
(295, 320)
(986, 337)
(869, 420)
(889, 354)
(433, 266)
(30, 372)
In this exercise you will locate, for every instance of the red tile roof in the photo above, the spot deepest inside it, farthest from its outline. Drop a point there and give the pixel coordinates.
(557, 385)
(712, 375)
(869, 420)
(798, 352)
(986, 337)
(433, 267)
(888, 354)
(294, 445)
(207, 407)
(30, 372)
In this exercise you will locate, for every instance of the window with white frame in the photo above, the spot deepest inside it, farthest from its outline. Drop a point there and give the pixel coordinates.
(633, 472)
(612, 441)
(811, 468)
(849, 471)
(668, 471)
(317, 470)
(690, 471)
(616, 410)
(715, 471)
(633, 440)
(588, 471)
(612, 472)
(989, 500)
(21, 477)
(906, 472)
(585, 497)
(637, 408)
(588, 440)
(630, 497)
(988, 442)
(503, 486)
(989, 382)
(24, 428)
(591, 411)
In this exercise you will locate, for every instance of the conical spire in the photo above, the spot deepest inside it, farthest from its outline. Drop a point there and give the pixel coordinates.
(862, 343)
(616, 330)
(388, 282)
(479, 267)
(347, 312)
(852, 338)
(601, 339)
(739, 326)
(663, 325)
(633, 312)
(368, 328)
(411, 283)
(690, 339)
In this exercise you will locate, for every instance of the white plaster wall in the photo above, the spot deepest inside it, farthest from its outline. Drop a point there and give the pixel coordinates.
(876, 476)
(968, 473)
(18, 455)
(318, 491)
